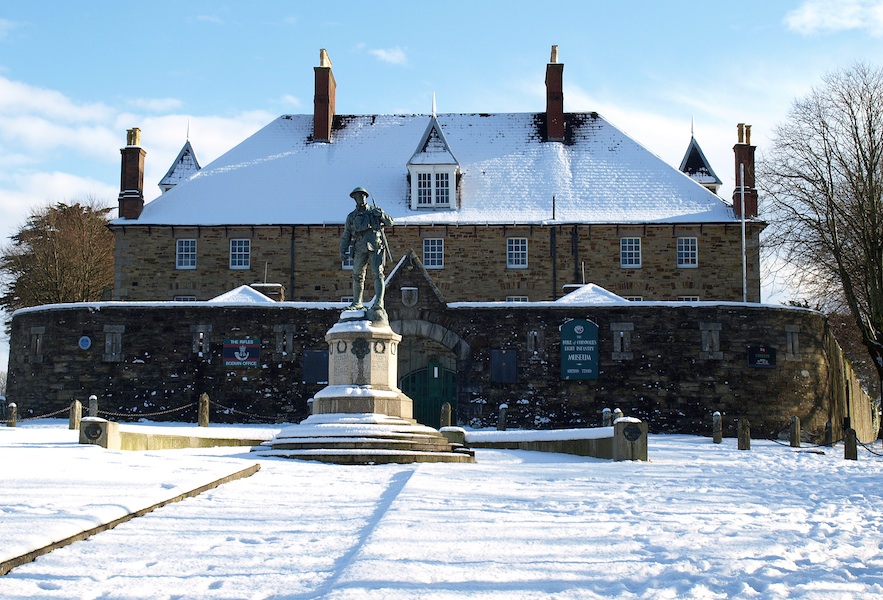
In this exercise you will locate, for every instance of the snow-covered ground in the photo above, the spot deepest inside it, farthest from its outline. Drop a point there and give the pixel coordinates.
(697, 521)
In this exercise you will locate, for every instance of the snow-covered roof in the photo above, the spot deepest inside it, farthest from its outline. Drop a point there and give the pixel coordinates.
(242, 295)
(184, 167)
(591, 294)
(509, 175)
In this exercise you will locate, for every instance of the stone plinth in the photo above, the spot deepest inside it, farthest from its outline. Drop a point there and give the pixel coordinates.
(361, 416)
(362, 371)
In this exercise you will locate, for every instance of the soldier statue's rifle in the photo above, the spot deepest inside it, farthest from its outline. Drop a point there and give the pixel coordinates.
(386, 251)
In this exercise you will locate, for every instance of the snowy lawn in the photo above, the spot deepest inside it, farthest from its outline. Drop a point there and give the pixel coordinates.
(697, 521)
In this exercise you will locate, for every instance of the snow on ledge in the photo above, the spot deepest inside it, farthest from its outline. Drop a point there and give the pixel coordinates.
(593, 433)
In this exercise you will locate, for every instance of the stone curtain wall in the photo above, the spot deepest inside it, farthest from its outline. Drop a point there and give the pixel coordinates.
(672, 365)
(475, 261)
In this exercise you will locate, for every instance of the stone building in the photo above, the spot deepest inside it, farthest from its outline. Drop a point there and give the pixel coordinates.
(500, 222)
(511, 206)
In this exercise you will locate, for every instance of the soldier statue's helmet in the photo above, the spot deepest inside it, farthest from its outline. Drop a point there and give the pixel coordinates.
(358, 190)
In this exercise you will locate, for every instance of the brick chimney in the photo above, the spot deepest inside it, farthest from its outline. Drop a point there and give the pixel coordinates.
(554, 99)
(744, 152)
(131, 199)
(323, 100)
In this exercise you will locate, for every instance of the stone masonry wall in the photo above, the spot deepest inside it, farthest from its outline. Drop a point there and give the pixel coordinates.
(672, 365)
(475, 261)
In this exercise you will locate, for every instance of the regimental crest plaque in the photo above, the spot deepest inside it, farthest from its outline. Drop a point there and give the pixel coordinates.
(409, 296)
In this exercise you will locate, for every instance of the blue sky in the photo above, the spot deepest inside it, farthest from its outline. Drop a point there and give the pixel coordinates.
(75, 75)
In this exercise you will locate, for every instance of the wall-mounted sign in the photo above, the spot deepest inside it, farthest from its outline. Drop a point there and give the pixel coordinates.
(242, 352)
(579, 350)
(84, 342)
(761, 357)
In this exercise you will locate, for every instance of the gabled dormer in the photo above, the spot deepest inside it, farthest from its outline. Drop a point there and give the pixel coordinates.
(433, 170)
(698, 168)
(184, 167)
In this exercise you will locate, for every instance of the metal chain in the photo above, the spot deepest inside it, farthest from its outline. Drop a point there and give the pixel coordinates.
(239, 412)
(46, 416)
(153, 414)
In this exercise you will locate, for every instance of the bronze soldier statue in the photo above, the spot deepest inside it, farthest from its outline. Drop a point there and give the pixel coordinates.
(363, 233)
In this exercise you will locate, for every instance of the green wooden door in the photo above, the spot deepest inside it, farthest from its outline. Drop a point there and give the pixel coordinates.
(429, 388)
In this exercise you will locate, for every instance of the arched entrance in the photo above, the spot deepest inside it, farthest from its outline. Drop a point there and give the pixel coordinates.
(428, 356)
(428, 375)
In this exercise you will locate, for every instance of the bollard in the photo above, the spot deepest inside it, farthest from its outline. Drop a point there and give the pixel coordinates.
(606, 420)
(717, 427)
(11, 414)
(202, 411)
(794, 432)
(744, 434)
(630, 439)
(850, 445)
(829, 435)
(93, 405)
(617, 414)
(445, 418)
(501, 422)
(75, 415)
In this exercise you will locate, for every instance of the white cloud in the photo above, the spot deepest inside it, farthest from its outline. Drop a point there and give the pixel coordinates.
(6, 26)
(828, 16)
(289, 100)
(157, 104)
(213, 19)
(394, 56)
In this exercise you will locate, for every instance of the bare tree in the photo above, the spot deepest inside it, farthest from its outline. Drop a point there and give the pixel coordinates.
(63, 253)
(823, 186)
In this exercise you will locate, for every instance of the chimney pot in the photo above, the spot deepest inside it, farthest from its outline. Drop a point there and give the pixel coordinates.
(554, 57)
(133, 137)
(324, 61)
(740, 129)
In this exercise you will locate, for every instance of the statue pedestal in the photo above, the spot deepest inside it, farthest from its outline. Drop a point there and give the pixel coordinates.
(361, 416)
(362, 371)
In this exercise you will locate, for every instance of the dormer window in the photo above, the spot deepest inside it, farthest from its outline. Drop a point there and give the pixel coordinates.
(433, 170)
(433, 186)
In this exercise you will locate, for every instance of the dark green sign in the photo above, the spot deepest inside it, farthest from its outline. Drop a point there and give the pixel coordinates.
(579, 350)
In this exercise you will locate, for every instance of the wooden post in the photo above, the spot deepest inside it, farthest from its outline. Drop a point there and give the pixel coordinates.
(445, 418)
(850, 445)
(794, 432)
(606, 419)
(202, 413)
(501, 422)
(829, 435)
(93, 405)
(11, 415)
(744, 434)
(717, 427)
(75, 415)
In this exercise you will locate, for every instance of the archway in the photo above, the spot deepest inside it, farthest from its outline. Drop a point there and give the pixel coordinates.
(428, 359)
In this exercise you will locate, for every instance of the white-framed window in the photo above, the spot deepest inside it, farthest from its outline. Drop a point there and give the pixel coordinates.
(185, 254)
(688, 253)
(432, 186)
(347, 264)
(516, 253)
(630, 253)
(517, 299)
(688, 298)
(240, 254)
(185, 298)
(434, 253)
